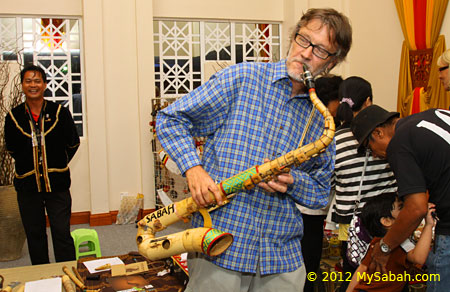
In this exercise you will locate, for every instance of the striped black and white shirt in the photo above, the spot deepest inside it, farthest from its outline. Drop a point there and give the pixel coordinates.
(378, 178)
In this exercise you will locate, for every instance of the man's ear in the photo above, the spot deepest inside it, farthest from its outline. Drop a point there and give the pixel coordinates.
(386, 221)
(332, 63)
(378, 132)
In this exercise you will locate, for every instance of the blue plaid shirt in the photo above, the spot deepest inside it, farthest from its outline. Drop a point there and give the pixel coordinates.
(247, 114)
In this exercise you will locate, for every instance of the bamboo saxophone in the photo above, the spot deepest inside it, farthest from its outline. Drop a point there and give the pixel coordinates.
(210, 241)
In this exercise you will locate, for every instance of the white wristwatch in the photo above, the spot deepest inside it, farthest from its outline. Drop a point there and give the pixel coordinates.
(384, 247)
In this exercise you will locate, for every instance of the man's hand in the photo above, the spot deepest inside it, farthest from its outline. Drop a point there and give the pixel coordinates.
(203, 189)
(431, 215)
(379, 260)
(279, 183)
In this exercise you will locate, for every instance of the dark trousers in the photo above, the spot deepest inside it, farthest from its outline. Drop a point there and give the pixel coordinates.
(312, 245)
(32, 206)
(347, 267)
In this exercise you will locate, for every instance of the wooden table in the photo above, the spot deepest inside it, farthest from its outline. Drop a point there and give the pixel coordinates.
(33, 273)
(172, 282)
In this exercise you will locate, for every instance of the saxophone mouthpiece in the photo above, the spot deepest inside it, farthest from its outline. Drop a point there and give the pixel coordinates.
(308, 79)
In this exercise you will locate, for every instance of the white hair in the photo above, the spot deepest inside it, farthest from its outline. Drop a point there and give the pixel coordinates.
(444, 59)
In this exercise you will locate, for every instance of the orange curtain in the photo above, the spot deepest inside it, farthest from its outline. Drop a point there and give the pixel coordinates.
(419, 87)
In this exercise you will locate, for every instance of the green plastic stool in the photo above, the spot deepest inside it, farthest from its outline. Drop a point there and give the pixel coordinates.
(86, 238)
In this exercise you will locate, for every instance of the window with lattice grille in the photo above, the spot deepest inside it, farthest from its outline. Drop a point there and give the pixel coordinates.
(55, 45)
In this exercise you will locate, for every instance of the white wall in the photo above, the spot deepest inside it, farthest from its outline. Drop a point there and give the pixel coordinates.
(115, 156)
(119, 84)
(231, 9)
(43, 7)
(376, 50)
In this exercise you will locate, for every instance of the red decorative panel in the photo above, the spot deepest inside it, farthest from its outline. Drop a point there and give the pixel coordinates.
(420, 65)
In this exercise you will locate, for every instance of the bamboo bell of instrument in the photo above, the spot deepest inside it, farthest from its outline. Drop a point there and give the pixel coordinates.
(209, 241)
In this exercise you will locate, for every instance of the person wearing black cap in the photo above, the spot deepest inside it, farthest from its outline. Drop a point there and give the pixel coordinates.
(418, 149)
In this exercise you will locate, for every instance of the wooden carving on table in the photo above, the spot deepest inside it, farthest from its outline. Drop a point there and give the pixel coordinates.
(171, 281)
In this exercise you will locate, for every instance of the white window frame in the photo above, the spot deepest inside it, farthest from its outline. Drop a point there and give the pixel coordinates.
(57, 80)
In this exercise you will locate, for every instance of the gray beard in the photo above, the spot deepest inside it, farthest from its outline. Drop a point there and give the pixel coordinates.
(299, 77)
(296, 77)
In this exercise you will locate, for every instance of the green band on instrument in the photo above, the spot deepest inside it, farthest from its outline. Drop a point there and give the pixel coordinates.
(236, 183)
(210, 238)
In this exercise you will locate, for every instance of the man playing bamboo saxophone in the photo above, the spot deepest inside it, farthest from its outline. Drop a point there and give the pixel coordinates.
(250, 112)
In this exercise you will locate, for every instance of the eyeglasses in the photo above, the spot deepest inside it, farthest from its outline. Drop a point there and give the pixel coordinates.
(318, 51)
(443, 68)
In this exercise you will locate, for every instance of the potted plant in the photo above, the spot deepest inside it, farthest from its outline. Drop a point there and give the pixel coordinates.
(11, 226)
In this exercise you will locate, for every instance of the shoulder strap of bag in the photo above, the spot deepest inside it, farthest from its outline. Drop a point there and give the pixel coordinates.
(358, 197)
